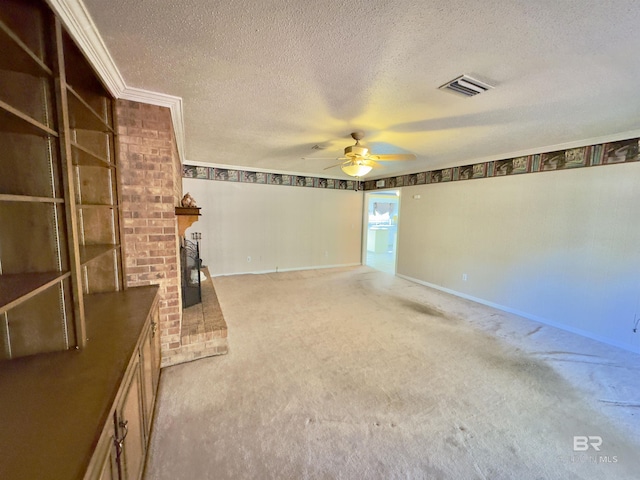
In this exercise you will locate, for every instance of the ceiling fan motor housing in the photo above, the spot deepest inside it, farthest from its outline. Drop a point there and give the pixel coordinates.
(356, 151)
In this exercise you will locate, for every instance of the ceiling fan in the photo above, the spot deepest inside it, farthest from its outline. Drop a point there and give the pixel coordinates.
(358, 160)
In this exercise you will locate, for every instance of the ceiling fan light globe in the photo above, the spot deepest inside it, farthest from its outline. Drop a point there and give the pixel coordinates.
(355, 170)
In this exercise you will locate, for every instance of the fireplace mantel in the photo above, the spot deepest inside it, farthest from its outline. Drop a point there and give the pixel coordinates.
(187, 216)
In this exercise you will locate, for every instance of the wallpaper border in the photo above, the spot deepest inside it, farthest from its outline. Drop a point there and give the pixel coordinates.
(249, 176)
(609, 153)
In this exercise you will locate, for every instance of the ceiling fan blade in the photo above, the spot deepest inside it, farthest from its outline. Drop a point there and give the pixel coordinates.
(333, 166)
(393, 157)
(320, 158)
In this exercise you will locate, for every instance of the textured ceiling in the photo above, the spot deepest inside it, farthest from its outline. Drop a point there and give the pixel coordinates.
(264, 81)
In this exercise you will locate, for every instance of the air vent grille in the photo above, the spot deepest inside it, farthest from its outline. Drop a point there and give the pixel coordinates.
(465, 86)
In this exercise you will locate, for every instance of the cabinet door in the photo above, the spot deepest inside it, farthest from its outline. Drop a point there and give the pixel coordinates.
(150, 369)
(155, 351)
(109, 468)
(103, 464)
(130, 428)
(147, 379)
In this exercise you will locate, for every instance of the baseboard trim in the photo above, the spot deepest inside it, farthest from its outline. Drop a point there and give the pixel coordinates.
(535, 318)
(281, 270)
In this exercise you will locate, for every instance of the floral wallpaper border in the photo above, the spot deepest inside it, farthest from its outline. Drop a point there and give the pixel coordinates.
(248, 176)
(623, 151)
(610, 153)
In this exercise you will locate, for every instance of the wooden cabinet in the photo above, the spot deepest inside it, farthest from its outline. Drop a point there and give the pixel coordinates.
(105, 462)
(130, 427)
(150, 354)
(134, 413)
(62, 412)
(122, 447)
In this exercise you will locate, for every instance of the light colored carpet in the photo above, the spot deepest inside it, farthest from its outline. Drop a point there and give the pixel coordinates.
(356, 374)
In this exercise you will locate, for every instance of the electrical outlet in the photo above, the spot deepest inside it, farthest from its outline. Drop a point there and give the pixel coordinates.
(464, 277)
(248, 259)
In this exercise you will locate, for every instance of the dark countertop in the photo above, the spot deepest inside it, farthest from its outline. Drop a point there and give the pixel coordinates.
(54, 406)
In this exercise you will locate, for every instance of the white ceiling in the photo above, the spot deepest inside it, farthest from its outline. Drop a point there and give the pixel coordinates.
(262, 81)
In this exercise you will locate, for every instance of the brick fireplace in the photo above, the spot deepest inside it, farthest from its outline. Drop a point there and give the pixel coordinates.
(151, 188)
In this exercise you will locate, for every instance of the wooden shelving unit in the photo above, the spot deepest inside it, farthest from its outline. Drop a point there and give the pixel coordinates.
(58, 190)
(36, 301)
(78, 350)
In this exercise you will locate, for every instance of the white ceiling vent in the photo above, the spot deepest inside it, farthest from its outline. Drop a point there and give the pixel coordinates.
(466, 86)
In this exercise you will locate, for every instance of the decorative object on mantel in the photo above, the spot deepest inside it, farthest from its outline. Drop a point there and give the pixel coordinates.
(187, 214)
(188, 201)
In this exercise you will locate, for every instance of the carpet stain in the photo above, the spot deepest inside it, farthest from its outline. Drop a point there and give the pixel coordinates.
(526, 370)
(560, 352)
(620, 404)
(452, 441)
(534, 331)
(420, 308)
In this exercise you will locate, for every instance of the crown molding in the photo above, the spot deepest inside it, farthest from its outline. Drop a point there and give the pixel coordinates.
(77, 20)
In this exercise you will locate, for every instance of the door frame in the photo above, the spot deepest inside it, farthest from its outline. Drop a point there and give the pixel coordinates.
(365, 224)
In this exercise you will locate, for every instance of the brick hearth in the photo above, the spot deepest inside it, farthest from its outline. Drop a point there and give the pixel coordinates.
(204, 330)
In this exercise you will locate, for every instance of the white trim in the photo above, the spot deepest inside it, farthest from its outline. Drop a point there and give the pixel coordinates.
(78, 22)
(577, 331)
(279, 270)
(76, 19)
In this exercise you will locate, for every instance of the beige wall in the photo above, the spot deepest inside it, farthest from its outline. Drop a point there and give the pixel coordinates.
(561, 247)
(558, 247)
(279, 227)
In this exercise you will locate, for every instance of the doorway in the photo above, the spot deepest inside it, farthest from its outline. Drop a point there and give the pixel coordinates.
(381, 235)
